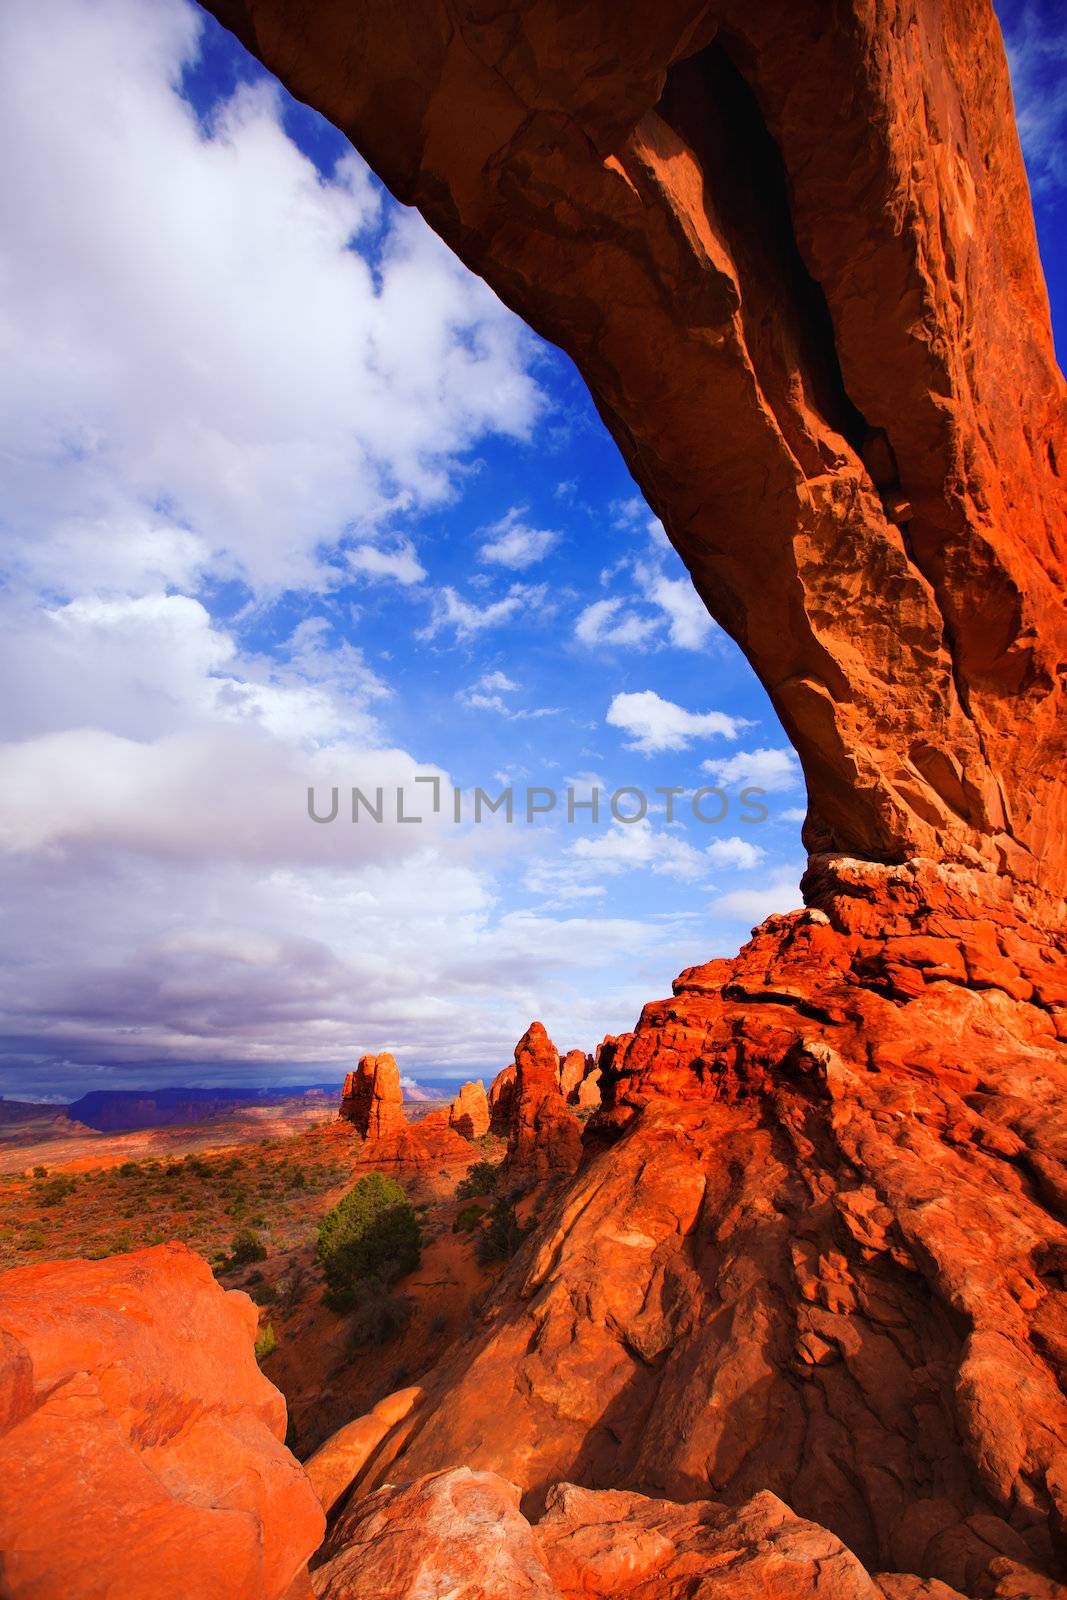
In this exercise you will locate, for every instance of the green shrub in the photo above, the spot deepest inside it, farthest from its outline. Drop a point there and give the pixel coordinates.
(267, 1342)
(40, 1172)
(130, 1169)
(502, 1234)
(468, 1218)
(246, 1247)
(53, 1191)
(379, 1313)
(480, 1180)
(372, 1232)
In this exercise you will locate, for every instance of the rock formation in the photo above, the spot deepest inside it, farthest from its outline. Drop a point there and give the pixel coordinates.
(544, 1138)
(817, 1247)
(139, 1439)
(790, 248)
(572, 1068)
(469, 1112)
(462, 1534)
(336, 1465)
(373, 1100)
(502, 1101)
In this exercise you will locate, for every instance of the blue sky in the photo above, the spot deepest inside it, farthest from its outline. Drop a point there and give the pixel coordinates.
(292, 500)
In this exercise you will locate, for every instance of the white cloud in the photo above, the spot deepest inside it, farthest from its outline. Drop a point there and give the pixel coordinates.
(689, 623)
(200, 372)
(637, 845)
(762, 769)
(1036, 39)
(672, 604)
(658, 724)
(734, 852)
(606, 622)
(401, 563)
(450, 610)
(752, 905)
(792, 814)
(513, 543)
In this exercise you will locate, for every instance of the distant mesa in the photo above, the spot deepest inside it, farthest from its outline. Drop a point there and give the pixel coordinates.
(129, 1110)
(12, 1111)
(134, 1110)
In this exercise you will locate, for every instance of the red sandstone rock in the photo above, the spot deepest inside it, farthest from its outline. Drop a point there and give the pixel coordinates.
(587, 1095)
(458, 1534)
(545, 1138)
(469, 1111)
(502, 1101)
(609, 1544)
(373, 1100)
(143, 1446)
(816, 1247)
(338, 1462)
(571, 1071)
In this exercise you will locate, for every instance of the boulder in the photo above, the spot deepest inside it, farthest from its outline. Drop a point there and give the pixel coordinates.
(338, 1462)
(456, 1534)
(141, 1440)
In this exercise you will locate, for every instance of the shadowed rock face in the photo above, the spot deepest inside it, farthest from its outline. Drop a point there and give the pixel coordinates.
(790, 248)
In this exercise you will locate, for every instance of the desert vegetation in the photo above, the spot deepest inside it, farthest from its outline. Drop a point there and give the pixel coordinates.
(234, 1206)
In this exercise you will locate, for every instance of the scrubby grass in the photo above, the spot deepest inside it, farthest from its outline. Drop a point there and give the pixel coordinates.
(271, 1191)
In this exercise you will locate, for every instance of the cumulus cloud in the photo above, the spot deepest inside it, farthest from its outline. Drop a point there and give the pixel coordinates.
(734, 852)
(1035, 34)
(487, 695)
(763, 769)
(632, 845)
(511, 542)
(451, 610)
(689, 623)
(659, 609)
(608, 622)
(657, 724)
(399, 563)
(222, 381)
(754, 903)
